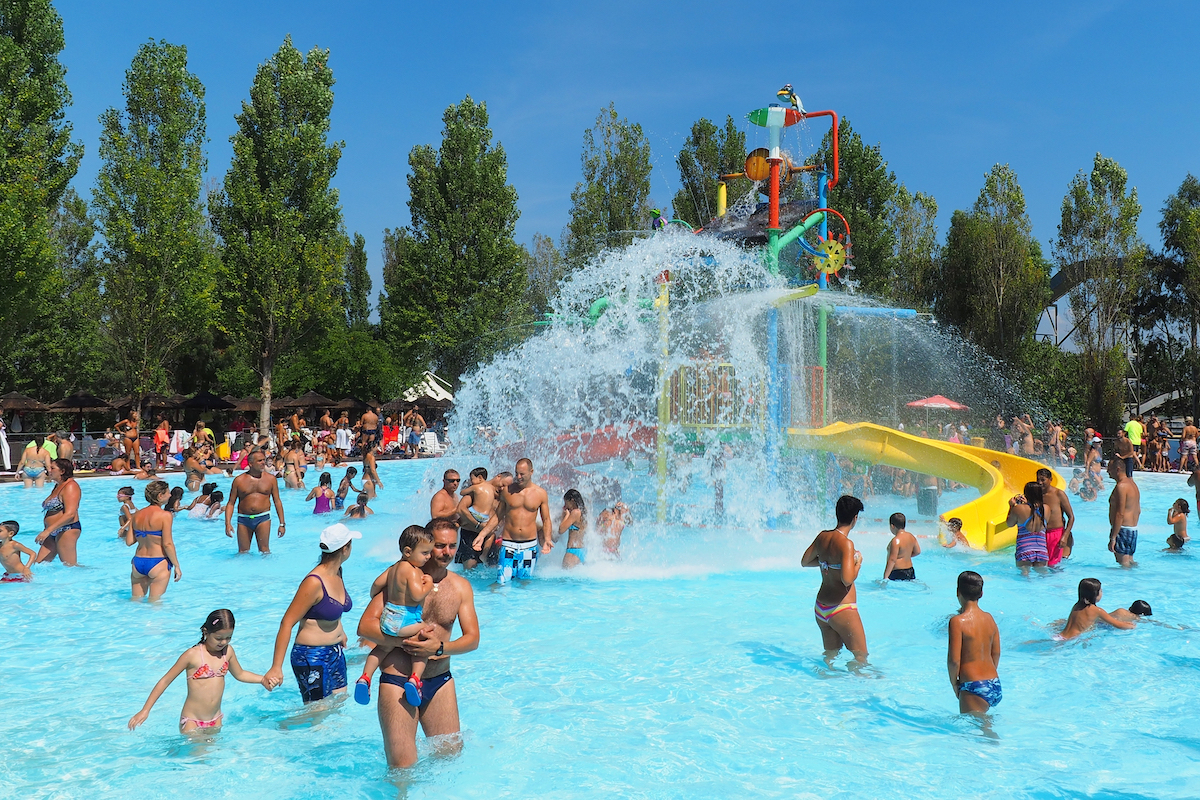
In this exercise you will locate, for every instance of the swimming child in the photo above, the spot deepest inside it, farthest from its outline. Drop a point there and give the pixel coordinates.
(974, 653)
(324, 494)
(900, 551)
(216, 505)
(574, 524)
(1076, 481)
(174, 500)
(359, 510)
(15, 570)
(1137, 609)
(405, 588)
(206, 664)
(344, 488)
(1085, 613)
(611, 524)
(199, 506)
(951, 535)
(127, 510)
(1177, 515)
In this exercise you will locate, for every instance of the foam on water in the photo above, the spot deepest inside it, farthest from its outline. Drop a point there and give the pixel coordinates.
(690, 669)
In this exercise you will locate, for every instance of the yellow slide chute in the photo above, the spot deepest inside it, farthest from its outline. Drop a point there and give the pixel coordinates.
(997, 475)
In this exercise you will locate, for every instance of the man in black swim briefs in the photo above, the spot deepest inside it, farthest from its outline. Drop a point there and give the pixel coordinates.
(451, 598)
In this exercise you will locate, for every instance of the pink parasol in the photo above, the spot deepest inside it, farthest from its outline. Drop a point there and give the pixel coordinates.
(938, 402)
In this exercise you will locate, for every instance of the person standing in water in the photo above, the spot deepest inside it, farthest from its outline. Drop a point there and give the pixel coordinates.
(1060, 518)
(974, 653)
(1124, 511)
(900, 551)
(155, 557)
(62, 527)
(252, 493)
(574, 524)
(521, 503)
(1177, 516)
(1025, 513)
(836, 607)
(443, 504)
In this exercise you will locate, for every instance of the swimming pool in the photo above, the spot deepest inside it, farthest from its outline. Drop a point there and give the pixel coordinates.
(691, 669)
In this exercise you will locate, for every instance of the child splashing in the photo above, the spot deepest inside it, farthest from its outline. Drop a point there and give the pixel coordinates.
(574, 524)
(206, 664)
(406, 587)
(1177, 516)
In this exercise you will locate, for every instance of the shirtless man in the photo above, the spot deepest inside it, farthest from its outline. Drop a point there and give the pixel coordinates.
(900, 551)
(368, 430)
(443, 503)
(1188, 458)
(1060, 518)
(475, 509)
(974, 652)
(252, 493)
(1127, 452)
(66, 448)
(451, 599)
(520, 504)
(326, 422)
(416, 429)
(1124, 509)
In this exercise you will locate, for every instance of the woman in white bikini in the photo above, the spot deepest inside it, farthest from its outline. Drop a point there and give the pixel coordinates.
(836, 608)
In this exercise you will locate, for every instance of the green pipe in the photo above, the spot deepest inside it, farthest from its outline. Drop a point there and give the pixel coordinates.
(597, 309)
(795, 233)
(773, 249)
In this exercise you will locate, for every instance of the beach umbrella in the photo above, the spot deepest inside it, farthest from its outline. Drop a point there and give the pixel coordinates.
(246, 403)
(81, 402)
(350, 404)
(312, 400)
(283, 402)
(15, 401)
(939, 403)
(207, 401)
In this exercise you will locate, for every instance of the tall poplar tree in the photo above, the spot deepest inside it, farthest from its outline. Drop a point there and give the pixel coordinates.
(37, 157)
(1098, 237)
(614, 195)
(158, 257)
(455, 280)
(707, 153)
(357, 283)
(277, 215)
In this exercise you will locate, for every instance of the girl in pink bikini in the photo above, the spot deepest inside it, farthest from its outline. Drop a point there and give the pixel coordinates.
(836, 608)
(206, 664)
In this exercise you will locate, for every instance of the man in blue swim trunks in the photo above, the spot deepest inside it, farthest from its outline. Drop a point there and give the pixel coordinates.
(1124, 510)
(252, 493)
(451, 599)
(974, 652)
(521, 503)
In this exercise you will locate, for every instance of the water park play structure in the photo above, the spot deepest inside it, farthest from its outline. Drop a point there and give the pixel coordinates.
(727, 358)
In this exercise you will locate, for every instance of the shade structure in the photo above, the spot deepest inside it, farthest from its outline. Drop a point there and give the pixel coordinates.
(81, 402)
(350, 404)
(149, 400)
(246, 404)
(283, 402)
(312, 400)
(207, 401)
(15, 401)
(939, 403)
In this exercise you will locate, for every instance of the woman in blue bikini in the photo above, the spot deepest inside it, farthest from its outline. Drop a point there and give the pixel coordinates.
(150, 530)
(61, 534)
(836, 608)
(574, 524)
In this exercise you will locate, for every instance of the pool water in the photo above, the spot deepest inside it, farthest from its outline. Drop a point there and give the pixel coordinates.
(690, 669)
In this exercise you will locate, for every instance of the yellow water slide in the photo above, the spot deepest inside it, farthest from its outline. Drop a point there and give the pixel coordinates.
(997, 475)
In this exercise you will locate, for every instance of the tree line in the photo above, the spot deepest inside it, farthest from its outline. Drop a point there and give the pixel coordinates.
(255, 287)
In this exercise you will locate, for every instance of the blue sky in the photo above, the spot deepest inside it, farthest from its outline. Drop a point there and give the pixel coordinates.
(948, 89)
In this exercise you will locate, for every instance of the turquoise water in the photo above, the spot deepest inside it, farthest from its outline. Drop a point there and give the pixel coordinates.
(690, 669)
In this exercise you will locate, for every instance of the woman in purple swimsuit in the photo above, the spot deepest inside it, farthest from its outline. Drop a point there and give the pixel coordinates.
(318, 657)
(323, 493)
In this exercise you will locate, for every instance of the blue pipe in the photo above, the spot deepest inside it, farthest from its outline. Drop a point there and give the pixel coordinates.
(823, 202)
(897, 313)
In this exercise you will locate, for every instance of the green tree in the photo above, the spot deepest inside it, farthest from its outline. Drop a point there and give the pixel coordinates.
(614, 195)
(357, 283)
(37, 157)
(277, 215)
(1098, 237)
(454, 279)
(864, 196)
(994, 281)
(913, 221)
(159, 261)
(707, 153)
(545, 269)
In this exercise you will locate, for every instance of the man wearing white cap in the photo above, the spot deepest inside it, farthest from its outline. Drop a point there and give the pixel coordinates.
(318, 657)
(451, 598)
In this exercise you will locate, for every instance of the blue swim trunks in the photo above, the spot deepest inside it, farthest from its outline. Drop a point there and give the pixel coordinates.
(251, 521)
(320, 669)
(1126, 544)
(396, 617)
(989, 690)
(517, 560)
(428, 690)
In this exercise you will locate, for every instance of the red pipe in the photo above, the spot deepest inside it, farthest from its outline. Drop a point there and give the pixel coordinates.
(831, 211)
(834, 180)
(774, 195)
